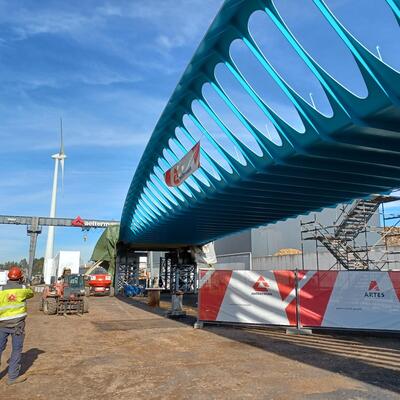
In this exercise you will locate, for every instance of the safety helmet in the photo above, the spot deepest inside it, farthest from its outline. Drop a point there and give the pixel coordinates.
(15, 274)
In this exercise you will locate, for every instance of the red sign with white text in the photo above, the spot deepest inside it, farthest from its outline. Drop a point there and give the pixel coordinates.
(184, 168)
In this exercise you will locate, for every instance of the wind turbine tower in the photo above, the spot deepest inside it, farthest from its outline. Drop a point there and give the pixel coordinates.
(59, 160)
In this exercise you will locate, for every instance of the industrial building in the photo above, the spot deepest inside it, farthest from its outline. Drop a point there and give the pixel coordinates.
(286, 245)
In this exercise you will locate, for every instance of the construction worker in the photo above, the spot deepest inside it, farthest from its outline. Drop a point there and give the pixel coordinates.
(12, 321)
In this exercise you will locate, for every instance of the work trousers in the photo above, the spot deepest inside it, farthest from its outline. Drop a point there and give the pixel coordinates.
(18, 335)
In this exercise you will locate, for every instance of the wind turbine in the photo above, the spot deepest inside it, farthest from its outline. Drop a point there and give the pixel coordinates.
(59, 159)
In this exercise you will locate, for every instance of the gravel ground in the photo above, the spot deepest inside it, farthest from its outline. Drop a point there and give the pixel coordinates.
(125, 350)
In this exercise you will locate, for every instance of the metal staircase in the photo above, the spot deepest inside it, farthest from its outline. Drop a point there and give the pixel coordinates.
(357, 215)
(346, 255)
(353, 219)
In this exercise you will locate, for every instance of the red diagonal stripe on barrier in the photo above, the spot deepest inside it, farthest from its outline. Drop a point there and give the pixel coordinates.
(285, 282)
(395, 278)
(212, 294)
(314, 297)
(286, 285)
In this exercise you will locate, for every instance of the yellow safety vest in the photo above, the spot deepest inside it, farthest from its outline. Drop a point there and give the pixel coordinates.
(13, 304)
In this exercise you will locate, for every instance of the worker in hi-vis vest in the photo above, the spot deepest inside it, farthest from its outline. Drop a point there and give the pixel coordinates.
(12, 321)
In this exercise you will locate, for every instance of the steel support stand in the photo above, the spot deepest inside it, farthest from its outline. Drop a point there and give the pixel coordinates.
(298, 330)
(116, 274)
(198, 324)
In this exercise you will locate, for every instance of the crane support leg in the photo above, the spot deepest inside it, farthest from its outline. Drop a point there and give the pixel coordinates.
(33, 231)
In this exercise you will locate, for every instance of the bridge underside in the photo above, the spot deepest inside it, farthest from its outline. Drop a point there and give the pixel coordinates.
(350, 154)
(164, 247)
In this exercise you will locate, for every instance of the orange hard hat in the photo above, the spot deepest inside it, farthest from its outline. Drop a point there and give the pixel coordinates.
(15, 273)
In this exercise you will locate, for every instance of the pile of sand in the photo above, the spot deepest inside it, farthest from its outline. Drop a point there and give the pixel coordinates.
(287, 252)
(392, 235)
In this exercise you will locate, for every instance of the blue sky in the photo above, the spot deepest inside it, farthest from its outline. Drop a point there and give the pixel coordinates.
(108, 68)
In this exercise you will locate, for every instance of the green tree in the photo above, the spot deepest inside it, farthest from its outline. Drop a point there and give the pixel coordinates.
(38, 266)
(23, 264)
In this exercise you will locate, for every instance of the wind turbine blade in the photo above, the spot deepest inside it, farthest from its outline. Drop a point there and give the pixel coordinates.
(62, 140)
(62, 173)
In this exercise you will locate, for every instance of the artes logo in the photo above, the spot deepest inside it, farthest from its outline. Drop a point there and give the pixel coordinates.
(78, 221)
(261, 286)
(12, 297)
(373, 287)
(374, 290)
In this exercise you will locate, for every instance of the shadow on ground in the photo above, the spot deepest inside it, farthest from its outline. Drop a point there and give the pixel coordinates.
(28, 359)
(141, 303)
(374, 360)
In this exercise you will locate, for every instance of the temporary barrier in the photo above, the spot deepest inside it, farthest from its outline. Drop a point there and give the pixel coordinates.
(350, 299)
(328, 299)
(252, 297)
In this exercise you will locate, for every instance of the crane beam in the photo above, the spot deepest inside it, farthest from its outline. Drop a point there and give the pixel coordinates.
(34, 228)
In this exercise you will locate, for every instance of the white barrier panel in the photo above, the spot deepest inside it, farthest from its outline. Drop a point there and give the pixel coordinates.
(345, 299)
(350, 299)
(251, 297)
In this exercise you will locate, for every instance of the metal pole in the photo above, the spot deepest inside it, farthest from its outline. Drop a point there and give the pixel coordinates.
(366, 244)
(296, 286)
(177, 276)
(384, 233)
(195, 278)
(199, 296)
(33, 231)
(32, 251)
(117, 272)
(302, 245)
(316, 240)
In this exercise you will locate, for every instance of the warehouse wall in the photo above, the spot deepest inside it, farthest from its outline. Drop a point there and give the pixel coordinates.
(325, 260)
(268, 240)
(238, 243)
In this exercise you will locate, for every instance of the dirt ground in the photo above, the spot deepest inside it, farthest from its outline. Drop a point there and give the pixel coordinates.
(125, 350)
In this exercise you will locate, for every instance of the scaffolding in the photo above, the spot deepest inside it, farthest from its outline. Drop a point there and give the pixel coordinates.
(348, 239)
(128, 269)
(178, 272)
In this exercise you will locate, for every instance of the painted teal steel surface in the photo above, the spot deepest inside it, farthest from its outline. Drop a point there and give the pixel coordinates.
(351, 154)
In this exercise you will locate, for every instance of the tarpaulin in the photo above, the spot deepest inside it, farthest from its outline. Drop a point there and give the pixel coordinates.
(205, 255)
(105, 249)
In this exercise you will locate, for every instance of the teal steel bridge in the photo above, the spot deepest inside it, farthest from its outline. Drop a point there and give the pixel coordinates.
(249, 177)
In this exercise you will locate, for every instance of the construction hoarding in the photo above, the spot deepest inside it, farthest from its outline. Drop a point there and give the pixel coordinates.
(325, 299)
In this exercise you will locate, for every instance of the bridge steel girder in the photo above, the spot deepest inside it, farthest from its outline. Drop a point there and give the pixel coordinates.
(351, 154)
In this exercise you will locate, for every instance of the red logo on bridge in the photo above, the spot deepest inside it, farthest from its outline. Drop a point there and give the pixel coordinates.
(261, 285)
(78, 221)
(373, 287)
